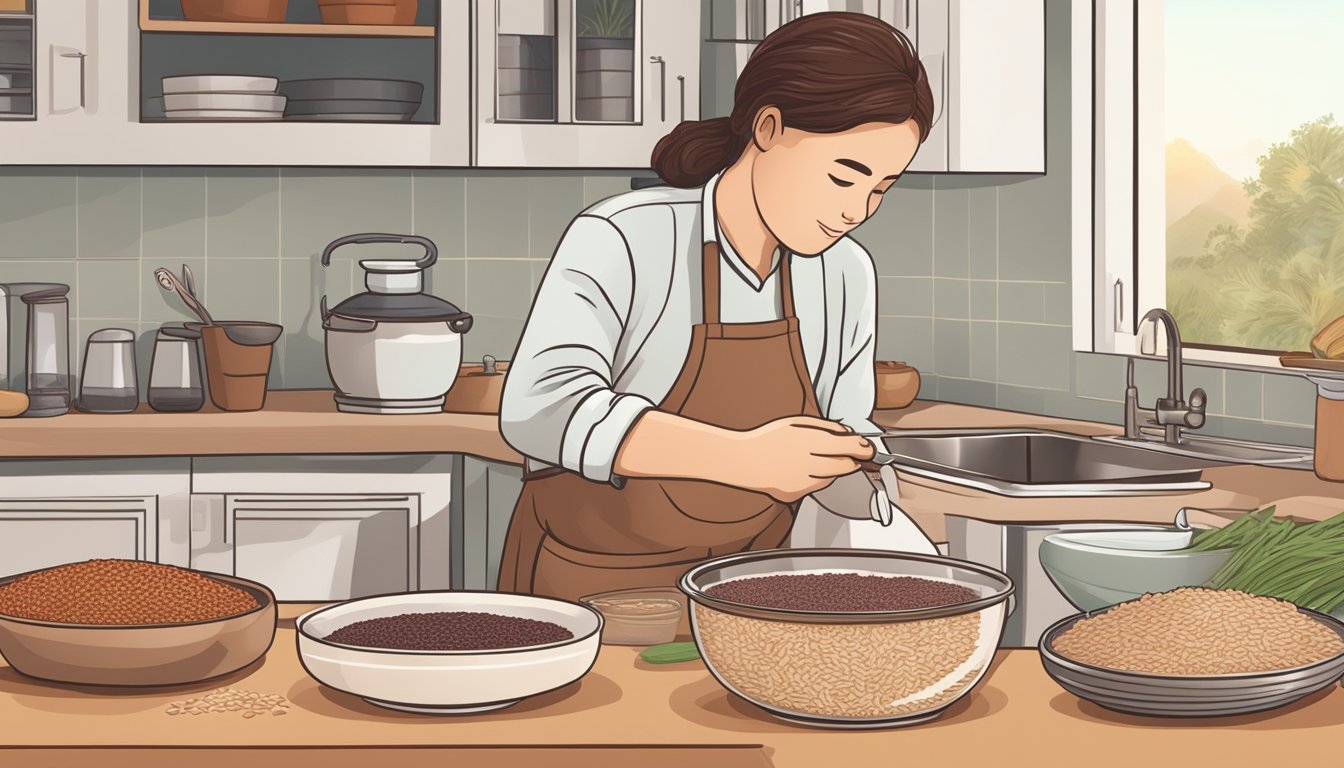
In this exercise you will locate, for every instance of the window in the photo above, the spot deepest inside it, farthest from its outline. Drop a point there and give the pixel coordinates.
(1214, 150)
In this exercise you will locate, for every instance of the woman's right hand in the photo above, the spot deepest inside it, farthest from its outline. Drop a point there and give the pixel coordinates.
(792, 457)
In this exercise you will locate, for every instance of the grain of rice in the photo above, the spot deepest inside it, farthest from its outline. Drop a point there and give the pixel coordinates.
(227, 700)
(1196, 631)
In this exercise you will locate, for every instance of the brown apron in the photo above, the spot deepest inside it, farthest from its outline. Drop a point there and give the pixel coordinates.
(571, 536)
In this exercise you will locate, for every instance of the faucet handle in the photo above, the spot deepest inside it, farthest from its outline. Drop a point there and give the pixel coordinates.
(1194, 417)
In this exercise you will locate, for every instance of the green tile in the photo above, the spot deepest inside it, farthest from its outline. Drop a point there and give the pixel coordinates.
(906, 338)
(952, 348)
(599, 188)
(900, 234)
(1244, 394)
(552, 203)
(321, 205)
(982, 211)
(110, 288)
(951, 297)
(983, 300)
(951, 241)
(441, 210)
(952, 390)
(500, 288)
(1034, 231)
(1023, 399)
(905, 296)
(1020, 302)
(496, 224)
(243, 289)
(448, 281)
(302, 351)
(1057, 303)
(109, 213)
(53, 270)
(37, 213)
(1035, 355)
(174, 215)
(1099, 376)
(490, 335)
(144, 355)
(984, 351)
(1150, 376)
(538, 274)
(1246, 429)
(1290, 399)
(1083, 408)
(242, 213)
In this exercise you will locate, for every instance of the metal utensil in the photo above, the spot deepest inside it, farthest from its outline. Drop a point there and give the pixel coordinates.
(189, 279)
(1182, 522)
(169, 282)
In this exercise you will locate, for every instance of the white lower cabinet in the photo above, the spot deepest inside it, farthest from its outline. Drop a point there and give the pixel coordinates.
(54, 512)
(325, 527)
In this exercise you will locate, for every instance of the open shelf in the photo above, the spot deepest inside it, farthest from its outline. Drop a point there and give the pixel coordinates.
(262, 28)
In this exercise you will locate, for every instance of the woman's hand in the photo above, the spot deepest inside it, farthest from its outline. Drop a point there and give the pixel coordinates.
(793, 457)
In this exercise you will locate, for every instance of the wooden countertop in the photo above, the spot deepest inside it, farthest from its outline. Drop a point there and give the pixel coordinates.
(293, 422)
(623, 713)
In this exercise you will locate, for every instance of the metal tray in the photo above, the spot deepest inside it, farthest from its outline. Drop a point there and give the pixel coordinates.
(1179, 696)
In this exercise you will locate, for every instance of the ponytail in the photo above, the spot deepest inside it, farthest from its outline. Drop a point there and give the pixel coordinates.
(696, 150)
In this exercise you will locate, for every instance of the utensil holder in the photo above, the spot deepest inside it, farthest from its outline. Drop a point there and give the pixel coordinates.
(237, 373)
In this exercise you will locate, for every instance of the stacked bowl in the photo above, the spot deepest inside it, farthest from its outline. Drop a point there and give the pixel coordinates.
(222, 97)
(352, 99)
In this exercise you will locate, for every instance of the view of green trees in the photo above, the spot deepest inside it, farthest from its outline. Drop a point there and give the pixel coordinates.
(1271, 274)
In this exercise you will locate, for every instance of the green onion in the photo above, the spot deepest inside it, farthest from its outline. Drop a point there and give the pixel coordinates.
(1303, 564)
(670, 653)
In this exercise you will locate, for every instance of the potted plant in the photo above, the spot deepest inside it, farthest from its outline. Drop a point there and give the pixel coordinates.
(605, 61)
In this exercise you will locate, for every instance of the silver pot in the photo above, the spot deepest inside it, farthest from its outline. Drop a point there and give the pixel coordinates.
(394, 348)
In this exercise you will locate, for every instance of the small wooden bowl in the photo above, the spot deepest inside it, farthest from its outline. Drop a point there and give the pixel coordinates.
(897, 385)
(475, 391)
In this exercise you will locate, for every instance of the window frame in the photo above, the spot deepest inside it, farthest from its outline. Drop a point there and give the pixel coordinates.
(1119, 229)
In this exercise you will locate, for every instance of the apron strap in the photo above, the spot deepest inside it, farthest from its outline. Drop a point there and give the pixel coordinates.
(709, 283)
(785, 282)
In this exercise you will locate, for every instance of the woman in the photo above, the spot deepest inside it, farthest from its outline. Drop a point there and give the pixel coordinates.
(699, 359)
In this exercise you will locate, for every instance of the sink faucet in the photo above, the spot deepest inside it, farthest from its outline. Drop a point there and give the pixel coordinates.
(1171, 413)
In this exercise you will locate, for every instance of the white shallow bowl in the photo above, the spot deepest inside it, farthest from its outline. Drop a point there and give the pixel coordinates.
(449, 682)
(1097, 569)
(221, 114)
(206, 83)
(257, 102)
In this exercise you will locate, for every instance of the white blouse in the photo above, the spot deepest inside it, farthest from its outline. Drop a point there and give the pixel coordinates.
(611, 324)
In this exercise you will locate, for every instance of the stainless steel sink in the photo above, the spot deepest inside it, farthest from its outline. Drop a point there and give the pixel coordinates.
(1025, 462)
(1220, 449)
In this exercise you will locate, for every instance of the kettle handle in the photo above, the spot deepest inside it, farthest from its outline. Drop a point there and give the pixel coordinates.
(424, 262)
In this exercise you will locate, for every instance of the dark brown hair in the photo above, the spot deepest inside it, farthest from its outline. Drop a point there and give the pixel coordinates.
(825, 72)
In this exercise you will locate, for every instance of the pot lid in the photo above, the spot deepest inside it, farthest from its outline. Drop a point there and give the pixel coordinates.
(398, 307)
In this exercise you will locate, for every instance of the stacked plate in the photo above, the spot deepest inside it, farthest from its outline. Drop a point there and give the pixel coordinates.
(222, 97)
(352, 99)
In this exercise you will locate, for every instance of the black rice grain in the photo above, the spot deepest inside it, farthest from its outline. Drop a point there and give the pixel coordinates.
(841, 592)
(449, 631)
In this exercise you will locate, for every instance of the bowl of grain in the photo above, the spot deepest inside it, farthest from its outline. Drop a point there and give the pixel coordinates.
(847, 638)
(132, 623)
(1195, 652)
(453, 652)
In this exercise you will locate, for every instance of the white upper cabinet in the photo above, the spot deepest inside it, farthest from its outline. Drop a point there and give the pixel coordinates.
(985, 61)
(395, 93)
(582, 83)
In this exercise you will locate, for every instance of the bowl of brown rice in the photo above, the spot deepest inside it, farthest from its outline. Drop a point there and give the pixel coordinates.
(847, 638)
(1195, 652)
(132, 623)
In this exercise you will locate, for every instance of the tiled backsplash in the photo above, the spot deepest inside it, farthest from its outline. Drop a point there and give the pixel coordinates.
(253, 238)
(975, 271)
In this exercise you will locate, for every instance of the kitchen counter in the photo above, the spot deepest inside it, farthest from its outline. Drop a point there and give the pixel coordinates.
(623, 713)
(293, 422)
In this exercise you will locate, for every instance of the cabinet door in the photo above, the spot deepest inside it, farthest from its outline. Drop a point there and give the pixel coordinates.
(40, 533)
(324, 547)
(489, 492)
(81, 85)
(582, 83)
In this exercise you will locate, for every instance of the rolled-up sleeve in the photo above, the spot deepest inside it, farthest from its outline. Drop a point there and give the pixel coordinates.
(559, 406)
(852, 397)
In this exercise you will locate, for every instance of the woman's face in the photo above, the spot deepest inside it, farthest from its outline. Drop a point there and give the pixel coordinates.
(812, 188)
